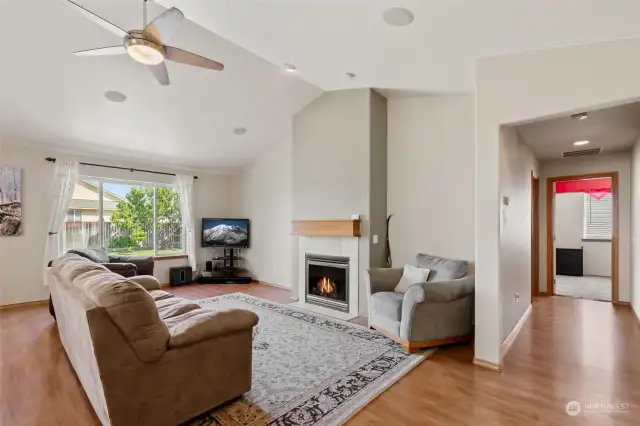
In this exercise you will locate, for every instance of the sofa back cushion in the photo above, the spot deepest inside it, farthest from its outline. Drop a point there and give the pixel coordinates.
(442, 269)
(95, 255)
(134, 312)
(131, 307)
(71, 266)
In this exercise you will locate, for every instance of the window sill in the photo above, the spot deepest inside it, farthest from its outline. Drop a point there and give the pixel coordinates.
(596, 240)
(170, 257)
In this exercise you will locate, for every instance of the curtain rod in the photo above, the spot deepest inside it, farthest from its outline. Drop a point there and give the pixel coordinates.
(53, 160)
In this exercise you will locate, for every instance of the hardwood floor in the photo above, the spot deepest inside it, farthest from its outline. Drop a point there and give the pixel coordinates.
(568, 350)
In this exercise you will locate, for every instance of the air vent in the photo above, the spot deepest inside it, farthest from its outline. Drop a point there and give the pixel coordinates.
(581, 153)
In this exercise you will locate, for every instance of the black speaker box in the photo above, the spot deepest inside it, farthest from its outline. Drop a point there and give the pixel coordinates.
(209, 266)
(180, 275)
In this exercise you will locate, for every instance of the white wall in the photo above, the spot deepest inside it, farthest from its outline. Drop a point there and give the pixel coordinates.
(596, 258)
(21, 257)
(430, 177)
(569, 220)
(635, 187)
(263, 192)
(516, 164)
(514, 88)
(620, 163)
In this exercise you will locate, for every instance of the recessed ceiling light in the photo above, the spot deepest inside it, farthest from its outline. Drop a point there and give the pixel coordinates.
(113, 96)
(239, 131)
(580, 116)
(398, 16)
(579, 143)
(290, 68)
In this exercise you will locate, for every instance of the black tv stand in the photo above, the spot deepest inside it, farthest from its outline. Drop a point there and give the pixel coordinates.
(229, 273)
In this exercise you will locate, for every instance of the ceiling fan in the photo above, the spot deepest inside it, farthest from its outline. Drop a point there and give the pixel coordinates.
(148, 46)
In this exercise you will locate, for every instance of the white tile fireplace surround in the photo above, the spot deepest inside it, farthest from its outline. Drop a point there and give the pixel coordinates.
(329, 246)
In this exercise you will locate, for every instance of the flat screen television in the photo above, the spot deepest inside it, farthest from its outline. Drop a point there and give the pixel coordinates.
(227, 233)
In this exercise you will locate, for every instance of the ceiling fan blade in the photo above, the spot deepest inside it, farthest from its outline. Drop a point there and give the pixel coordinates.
(98, 20)
(160, 73)
(102, 51)
(182, 56)
(162, 28)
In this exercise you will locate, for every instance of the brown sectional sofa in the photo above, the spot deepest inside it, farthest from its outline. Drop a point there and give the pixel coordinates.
(143, 356)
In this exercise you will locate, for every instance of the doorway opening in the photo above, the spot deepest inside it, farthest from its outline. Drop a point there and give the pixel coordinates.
(582, 236)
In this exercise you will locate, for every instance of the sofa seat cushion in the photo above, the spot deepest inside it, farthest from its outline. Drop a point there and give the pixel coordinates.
(442, 269)
(387, 304)
(174, 306)
(160, 294)
(133, 311)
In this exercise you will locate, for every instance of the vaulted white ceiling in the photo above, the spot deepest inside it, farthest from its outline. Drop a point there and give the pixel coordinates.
(436, 53)
(50, 97)
(53, 98)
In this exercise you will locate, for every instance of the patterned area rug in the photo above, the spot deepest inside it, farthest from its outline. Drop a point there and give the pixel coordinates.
(308, 369)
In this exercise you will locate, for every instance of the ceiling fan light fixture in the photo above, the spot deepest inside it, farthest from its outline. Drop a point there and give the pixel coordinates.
(144, 51)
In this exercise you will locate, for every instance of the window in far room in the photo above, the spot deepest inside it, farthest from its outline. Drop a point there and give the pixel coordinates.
(74, 216)
(125, 217)
(598, 217)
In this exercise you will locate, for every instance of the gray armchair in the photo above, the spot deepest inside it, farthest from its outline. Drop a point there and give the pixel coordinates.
(434, 313)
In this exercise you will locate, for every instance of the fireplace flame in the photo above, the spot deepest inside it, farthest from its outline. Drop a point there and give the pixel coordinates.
(326, 286)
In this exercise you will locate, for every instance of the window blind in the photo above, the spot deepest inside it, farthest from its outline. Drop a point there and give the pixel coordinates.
(598, 217)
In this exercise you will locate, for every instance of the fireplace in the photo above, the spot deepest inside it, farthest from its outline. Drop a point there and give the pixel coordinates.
(327, 281)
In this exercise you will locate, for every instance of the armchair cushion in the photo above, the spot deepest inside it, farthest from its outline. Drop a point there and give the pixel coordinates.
(96, 255)
(387, 304)
(411, 275)
(144, 264)
(442, 269)
(127, 270)
(201, 324)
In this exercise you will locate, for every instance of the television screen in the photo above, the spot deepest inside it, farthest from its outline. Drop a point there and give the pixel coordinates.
(230, 233)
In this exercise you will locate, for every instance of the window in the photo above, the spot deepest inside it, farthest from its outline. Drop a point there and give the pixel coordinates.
(74, 216)
(598, 217)
(126, 218)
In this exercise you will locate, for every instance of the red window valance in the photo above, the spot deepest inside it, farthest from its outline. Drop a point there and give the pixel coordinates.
(597, 188)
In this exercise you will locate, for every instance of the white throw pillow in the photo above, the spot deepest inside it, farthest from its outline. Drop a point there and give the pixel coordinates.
(411, 275)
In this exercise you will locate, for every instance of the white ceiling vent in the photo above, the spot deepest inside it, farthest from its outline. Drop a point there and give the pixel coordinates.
(581, 153)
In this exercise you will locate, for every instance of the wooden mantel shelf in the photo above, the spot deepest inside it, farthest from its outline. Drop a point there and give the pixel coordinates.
(327, 228)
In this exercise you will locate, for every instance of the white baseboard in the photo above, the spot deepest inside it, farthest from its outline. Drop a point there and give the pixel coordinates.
(488, 364)
(272, 284)
(506, 345)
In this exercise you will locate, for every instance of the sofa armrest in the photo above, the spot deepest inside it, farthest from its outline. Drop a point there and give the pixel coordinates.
(383, 279)
(440, 291)
(203, 324)
(149, 282)
(125, 269)
(145, 264)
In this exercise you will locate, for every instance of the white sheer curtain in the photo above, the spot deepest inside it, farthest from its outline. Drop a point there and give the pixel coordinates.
(65, 176)
(184, 187)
